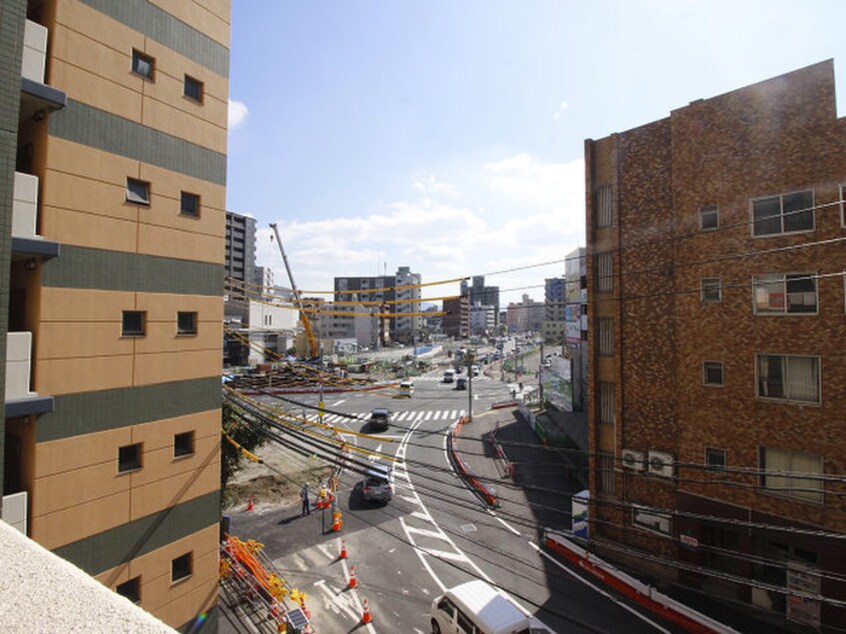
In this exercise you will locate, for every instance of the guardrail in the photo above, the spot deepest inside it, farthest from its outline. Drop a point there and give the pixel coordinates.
(628, 586)
(485, 492)
(503, 464)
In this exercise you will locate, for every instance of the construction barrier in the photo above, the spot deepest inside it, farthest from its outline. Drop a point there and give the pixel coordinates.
(505, 466)
(628, 586)
(504, 404)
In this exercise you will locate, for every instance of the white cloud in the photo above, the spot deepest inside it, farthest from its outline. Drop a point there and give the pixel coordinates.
(509, 213)
(560, 111)
(238, 112)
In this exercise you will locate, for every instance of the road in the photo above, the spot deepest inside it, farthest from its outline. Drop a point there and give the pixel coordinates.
(435, 533)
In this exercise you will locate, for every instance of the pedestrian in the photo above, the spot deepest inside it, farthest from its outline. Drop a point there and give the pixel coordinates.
(304, 497)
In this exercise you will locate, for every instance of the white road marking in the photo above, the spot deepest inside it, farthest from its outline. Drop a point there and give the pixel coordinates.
(426, 532)
(507, 525)
(401, 417)
(300, 563)
(336, 403)
(428, 415)
(444, 554)
(437, 415)
(325, 550)
(336, 601)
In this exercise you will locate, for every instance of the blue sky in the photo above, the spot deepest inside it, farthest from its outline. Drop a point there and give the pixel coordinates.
(448, 135)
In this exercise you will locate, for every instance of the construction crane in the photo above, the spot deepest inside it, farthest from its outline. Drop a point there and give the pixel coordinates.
(312, 341)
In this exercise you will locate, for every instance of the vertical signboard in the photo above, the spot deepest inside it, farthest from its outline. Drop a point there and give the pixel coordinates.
(579, 507)
(804, 579)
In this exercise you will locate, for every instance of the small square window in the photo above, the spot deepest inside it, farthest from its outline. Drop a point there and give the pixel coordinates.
(142, 64)
(190, 205)
(130, 589)
(133, 323)
(709, 218)
(129, 458)
(712, 373)
(193, 89)
(183, 444)
(715, 458)
(186, 323)
(180, 568)
(711, 289)
(137, 191)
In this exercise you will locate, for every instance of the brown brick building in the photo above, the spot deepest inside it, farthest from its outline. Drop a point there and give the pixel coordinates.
(717, 328)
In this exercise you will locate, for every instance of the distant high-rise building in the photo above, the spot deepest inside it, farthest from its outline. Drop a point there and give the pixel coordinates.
(481, 294)
(240, 262)
(385, 288)
(456, 321)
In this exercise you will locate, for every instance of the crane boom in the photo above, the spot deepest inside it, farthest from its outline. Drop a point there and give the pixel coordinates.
(312, 341)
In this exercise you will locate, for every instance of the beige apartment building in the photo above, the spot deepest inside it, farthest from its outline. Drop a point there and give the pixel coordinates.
(113, 133)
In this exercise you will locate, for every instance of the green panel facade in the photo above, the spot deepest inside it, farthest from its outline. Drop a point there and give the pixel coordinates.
(111, 548)
(92, 412)
(105, 131)
(150, 20)
(82, 267)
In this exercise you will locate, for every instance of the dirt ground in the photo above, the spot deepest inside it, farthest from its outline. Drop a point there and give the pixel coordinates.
(278, 481)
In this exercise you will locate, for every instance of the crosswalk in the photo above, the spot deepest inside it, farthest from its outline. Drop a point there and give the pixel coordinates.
(439, 378)
(406, 416)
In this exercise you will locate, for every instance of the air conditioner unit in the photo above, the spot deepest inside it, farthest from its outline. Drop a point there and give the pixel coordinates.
(661, 464)
(633, 459)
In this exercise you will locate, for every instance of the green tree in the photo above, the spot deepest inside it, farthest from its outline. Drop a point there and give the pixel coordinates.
(248, 435)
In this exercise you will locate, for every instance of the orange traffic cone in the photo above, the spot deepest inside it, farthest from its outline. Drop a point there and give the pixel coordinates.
(343, 549)
(336, 521)
(366, 618)
(353, 581)
(250, 506)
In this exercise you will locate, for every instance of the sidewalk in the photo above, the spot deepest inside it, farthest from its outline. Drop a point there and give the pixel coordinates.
(546, 476)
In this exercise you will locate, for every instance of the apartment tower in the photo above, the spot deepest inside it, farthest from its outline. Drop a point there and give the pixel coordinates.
(717, 321)
(113, 131)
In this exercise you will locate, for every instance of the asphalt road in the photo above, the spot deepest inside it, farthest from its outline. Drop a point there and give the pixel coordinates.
(435, 533)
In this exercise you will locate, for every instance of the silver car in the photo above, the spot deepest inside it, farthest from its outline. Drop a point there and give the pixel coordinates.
(377, 485)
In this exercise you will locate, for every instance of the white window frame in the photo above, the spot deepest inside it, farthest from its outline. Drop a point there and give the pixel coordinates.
(714, 467)
(133, 193)
(604, 270)
(842, 206)
(707, 209)
(705, 374)
(784, 312)
(789, 481)
(702, 283)
(787, 399)
(604, 206)
(781, 216)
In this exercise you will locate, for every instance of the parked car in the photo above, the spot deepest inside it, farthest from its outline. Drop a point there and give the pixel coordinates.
(377, 485)
(380, 419)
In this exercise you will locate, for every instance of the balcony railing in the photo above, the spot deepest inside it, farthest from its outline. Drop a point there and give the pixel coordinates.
(20, 401)
(25, 206)
(34, 60)
(18, 365)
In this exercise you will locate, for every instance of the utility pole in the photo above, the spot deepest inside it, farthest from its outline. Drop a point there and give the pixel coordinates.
(470, 359)
(541, 366)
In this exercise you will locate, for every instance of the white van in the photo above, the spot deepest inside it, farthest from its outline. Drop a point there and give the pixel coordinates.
(476, 607)
(449, 376)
